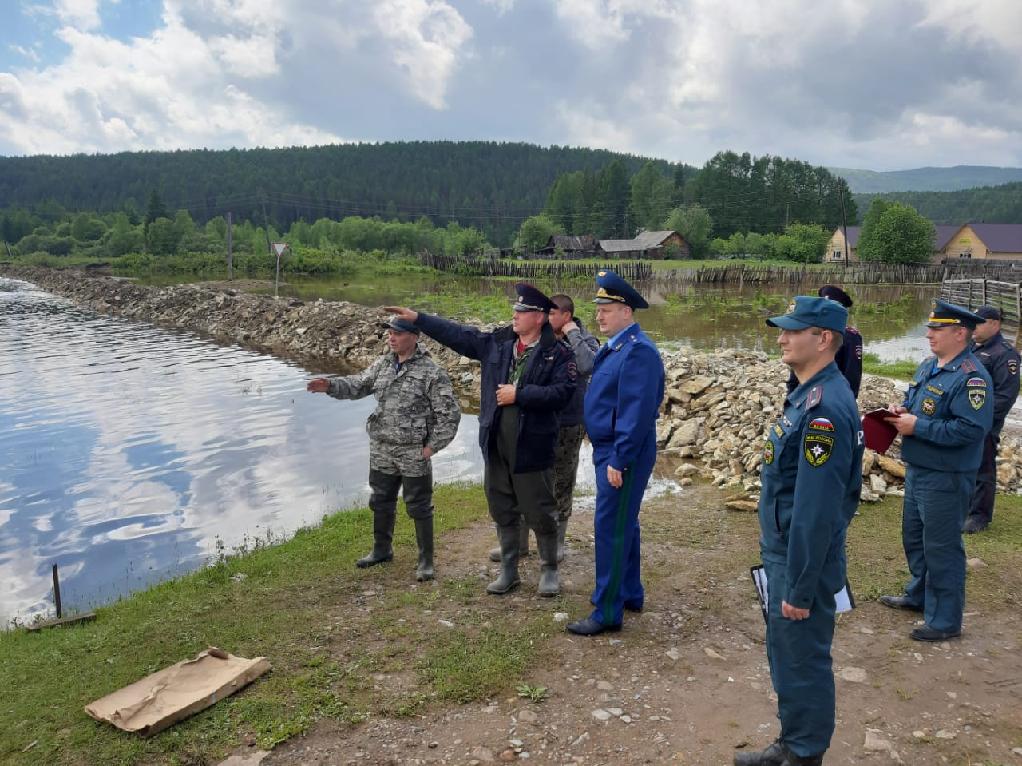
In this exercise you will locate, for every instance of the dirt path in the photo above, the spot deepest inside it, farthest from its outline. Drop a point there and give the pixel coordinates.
(687, 681)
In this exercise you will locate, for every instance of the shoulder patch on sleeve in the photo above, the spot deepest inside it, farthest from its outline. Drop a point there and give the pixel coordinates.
(817, 448)
(821, 424)
(1013, 366)
(976, 382)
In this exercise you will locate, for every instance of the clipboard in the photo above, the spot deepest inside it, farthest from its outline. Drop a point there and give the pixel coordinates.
(844, 598)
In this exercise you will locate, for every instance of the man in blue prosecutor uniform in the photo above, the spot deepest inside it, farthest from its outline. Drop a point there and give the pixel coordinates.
(1001, 360)
(621, 407)
(947, 412)
(811, 476)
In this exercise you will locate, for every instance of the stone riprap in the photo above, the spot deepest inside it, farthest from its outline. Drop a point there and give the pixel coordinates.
(716, 411)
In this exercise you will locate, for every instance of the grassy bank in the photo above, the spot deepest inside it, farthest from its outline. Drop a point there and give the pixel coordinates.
(902, 369)
(295, 604)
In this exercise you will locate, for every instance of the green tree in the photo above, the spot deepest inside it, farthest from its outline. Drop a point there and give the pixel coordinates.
(651, 193)
(896, 233)
(613, 203)
(694, 224)
(87, 228)
(801, 242)
(163, 237)
(535, 231)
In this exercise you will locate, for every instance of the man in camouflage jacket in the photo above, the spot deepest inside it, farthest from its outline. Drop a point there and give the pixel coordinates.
(416, 416)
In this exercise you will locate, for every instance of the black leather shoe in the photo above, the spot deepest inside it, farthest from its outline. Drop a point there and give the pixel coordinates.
(900, 602)
(591, 627)
(975, 524)
(926, 633)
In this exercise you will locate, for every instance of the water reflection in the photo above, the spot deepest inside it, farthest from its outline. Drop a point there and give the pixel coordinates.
(126, 451)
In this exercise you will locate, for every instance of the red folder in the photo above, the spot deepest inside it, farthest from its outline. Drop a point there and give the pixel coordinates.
(877, 431)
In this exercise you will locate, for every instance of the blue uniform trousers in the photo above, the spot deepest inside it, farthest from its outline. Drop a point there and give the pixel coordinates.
(616, 523)
(800, 665)
(936, 504)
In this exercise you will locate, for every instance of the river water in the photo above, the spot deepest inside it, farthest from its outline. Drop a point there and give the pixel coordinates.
(129, 452)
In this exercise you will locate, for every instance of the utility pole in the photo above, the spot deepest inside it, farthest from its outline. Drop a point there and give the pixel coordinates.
(230, 246)
(844, 225)
(266, 226)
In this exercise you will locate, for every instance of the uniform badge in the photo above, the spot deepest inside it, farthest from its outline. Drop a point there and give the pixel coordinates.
(778, 430)
(968, 366)
(858, 352)
(821, 424)
(1013, 367)
(929, 406)
(817, 448)
(934, 390)
(976, 383)
(977, 397)
(815, 397)
(768, 452)
(791, 308)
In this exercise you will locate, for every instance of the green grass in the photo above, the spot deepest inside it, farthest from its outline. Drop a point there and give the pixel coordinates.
(876, 560)
(294, 607)
(902, 369)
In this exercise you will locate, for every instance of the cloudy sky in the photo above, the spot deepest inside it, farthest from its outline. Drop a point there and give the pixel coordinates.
(853, 83)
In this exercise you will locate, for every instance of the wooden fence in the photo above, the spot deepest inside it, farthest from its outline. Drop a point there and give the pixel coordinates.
(633, 271)
(727, 273)
(973, 293)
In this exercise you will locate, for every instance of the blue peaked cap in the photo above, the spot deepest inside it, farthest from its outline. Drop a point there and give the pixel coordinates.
(611, 288)
(811, 311)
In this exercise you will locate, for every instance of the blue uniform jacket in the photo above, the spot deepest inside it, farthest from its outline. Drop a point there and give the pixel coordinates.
(955, 407)
(544, 389)
(1001, 360)
(811, 477)
(624, 396)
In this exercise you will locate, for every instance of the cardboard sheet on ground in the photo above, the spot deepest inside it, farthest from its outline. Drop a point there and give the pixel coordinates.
(172, 694)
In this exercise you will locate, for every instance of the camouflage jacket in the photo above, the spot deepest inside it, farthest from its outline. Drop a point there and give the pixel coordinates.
(416, 406)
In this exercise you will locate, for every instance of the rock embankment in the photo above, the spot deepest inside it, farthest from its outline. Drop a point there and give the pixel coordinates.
(715, 414)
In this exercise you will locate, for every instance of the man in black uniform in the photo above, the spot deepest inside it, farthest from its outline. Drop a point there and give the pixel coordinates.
(1001, 361)
(528, 376)
(849, 357)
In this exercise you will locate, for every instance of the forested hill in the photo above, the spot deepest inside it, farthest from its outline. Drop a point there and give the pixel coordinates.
(927, 179)
(492, 186)
(993, 204)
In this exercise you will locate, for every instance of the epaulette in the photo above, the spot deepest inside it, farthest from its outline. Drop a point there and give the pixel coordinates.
(815, 396)
(850, 328)
(968, 366)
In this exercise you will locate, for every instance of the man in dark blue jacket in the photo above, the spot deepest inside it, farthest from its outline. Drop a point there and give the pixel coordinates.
(528, 376)
(621, 408)
(849, 357)
(1002, 361)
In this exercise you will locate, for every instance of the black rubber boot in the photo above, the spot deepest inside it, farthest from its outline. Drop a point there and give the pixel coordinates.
(383, 538)
(549, 580)
(523, 544)
(424, 537)
(775, 755)
(508, 580)
(562, 530)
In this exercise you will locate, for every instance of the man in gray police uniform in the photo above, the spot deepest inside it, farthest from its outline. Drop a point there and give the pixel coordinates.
(811, 477)
(416, 416)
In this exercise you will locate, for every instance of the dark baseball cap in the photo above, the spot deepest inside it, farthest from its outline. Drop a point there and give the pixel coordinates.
(397, 324)
(990, 312)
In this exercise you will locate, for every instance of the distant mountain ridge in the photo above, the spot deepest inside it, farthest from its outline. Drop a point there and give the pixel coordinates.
(927, 179)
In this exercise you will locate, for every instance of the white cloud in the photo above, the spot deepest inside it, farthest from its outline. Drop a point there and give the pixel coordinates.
(82, 14)
(28, 53)
(426, 36)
